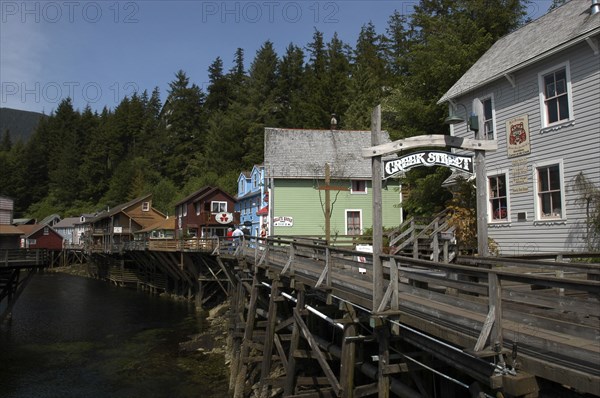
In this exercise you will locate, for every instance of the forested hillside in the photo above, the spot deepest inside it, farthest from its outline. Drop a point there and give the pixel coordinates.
(80, 161)
(18, 125)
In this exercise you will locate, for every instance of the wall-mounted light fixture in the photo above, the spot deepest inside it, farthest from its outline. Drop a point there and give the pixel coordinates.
(453, 118)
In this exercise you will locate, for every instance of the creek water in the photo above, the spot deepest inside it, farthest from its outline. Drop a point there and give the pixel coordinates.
(74, 337)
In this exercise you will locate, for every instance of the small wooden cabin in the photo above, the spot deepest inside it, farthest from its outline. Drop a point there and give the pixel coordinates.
(206, 213)
(39, 236)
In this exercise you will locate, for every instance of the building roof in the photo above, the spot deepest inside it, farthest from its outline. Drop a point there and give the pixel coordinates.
(296, 153)
(166, 224)
(201, 191)
(31, 229)
(560, 28)
(68, 222)
(119, 208)
(6, 229)
(51, 219)
(22, 221)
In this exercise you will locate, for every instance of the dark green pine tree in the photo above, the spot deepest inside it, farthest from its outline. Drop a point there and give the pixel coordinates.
(237, 77)
(185, 126)
(369, 81)
(87, 130)
(337, 79)
(33, 184)
(261, 103)
(396, 45)
(290, 85)
(99, 159)
(64, 151)
(6, 142)
(153, 136)
(317, 113)
(218, 95)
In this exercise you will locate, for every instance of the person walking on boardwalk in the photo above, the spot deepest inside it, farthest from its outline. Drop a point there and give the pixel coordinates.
(237, 236)
(229, 240)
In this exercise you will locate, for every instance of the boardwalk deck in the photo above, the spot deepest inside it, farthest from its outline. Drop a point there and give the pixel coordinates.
(506, 323)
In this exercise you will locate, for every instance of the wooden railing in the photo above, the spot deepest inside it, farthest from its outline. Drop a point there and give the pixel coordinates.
(23, 258)
(547, 313)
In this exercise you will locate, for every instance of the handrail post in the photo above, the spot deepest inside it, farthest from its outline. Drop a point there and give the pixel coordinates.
(495, 301)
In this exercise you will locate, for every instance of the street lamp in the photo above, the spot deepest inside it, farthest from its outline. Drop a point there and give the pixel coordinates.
(453, 118)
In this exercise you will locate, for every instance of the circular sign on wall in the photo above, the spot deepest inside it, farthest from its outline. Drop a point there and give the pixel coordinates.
(224, 218)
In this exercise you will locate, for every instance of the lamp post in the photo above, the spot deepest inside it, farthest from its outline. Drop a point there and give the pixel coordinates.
(474, 123)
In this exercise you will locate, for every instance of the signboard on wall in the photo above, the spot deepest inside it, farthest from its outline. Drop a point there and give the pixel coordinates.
(517, 136)
(427, 158)
(283, 221)
(224, 218)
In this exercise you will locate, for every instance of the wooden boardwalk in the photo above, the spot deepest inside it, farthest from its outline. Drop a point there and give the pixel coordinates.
(528, 320)
(303, 322)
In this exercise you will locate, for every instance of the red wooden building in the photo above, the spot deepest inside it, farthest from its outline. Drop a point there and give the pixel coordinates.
(39, 236)
(206, 213)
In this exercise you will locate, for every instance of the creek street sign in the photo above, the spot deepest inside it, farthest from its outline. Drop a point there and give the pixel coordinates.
(427, 158)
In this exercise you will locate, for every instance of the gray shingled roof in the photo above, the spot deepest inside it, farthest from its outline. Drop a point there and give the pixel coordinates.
(295, 153)
(564, 26)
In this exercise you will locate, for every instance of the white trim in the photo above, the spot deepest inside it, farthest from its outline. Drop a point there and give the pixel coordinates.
(346, 219)
(494, 124)
(536, 200)
(543, 111)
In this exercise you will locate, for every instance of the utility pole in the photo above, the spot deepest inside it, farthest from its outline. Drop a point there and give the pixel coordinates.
(327, 205)
(480, 182)
(376, 187)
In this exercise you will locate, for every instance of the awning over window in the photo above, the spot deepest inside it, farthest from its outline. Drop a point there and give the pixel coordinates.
(263, 212)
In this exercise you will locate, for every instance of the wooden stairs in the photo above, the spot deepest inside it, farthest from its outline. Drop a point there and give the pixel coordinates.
(424, 239)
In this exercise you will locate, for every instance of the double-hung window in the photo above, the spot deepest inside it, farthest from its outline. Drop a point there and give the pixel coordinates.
(549, 190)
(353, 222)
(498, 198)
(555, 94)
(218, 207)
(358, 186)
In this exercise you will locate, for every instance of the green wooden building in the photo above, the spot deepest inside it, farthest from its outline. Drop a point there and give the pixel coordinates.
(295, 164)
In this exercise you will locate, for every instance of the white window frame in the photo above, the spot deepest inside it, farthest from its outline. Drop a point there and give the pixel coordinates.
(493, 117)
(352, 191)
(537, 205)
(219, 203)
(541, 87)
(255, 180)
(346, 220)
(145, 206)
(490, 209)
(241, 186)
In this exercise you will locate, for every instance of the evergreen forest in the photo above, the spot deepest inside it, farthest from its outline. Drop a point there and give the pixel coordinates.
(82, 161)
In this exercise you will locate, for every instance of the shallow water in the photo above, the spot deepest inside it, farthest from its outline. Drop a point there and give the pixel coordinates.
(78, 337)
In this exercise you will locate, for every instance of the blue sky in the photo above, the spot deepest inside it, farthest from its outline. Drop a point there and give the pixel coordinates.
(96, 52)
